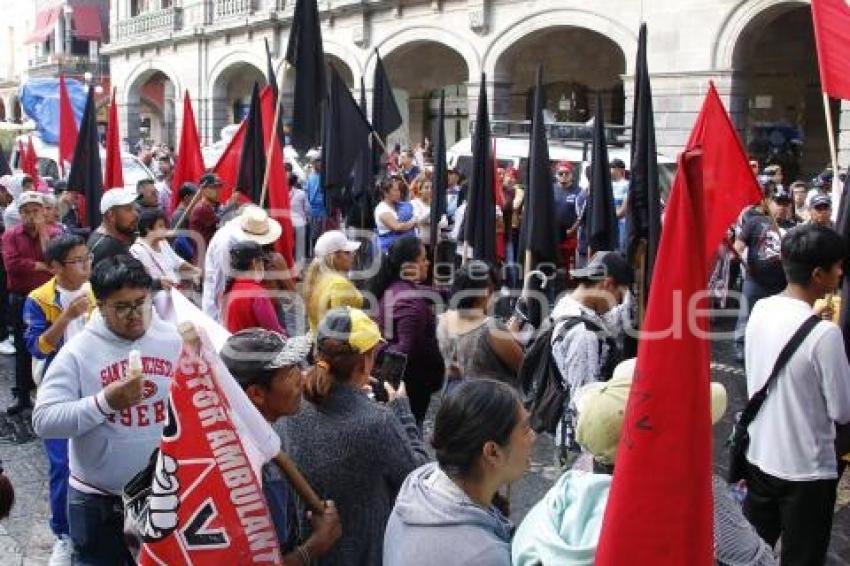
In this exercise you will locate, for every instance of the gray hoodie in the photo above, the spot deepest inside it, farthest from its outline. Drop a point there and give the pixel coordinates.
(107, 447)
(435, 522)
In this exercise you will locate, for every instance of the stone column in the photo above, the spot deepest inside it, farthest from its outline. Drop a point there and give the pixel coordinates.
(128, 118)
(844, 135)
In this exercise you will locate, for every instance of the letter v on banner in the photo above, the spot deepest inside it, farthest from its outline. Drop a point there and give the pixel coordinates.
(206, 504)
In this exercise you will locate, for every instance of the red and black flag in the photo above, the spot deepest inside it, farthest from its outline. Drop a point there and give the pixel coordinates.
(386, 117)
(86, 174)
(306, 55)
(252, 162)
(480, 217)
(600, 216)
(539, 229)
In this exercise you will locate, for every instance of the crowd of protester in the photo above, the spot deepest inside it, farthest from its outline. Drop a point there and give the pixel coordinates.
(321, 339)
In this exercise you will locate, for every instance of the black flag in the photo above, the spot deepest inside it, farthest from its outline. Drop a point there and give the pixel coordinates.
(86, 173)
(539, 230)
(386, 117)
(362, 187)
(272, 78)
(644, 209)
(346, 133)
(306, 55)
(480, 216)
(600, 216)
(5, 168)
(252, 163)
(440, 181)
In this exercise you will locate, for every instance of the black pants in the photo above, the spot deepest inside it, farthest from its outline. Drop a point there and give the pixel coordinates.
(419, 396)
(23, 362)
(801, 511)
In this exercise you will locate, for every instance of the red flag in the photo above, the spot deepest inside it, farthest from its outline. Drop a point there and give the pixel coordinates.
(67, 126)
(227, 166)
(29, 161)
(664, 457)
(204, 470)
(113, 175)
(831, 20)
(190, 162)
(278, 189)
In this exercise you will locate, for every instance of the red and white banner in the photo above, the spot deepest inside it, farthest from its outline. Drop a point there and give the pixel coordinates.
(207, 504)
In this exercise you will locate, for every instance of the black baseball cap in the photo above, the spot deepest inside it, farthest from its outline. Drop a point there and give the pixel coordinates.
(781, 194)
(210, 179)
(821, 200)
(606, 264)
(617, 164)
(256, 350)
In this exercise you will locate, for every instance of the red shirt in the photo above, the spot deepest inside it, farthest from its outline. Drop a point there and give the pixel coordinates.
(248, 305)
(20, 252)
(204, 220)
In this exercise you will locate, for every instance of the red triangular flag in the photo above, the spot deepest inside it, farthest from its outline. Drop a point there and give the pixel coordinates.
(663, 467)
(29, 162)
(831, 20)
(278, 189)
(227, 166)
(67, 125)
(113, 175)
(190, 163)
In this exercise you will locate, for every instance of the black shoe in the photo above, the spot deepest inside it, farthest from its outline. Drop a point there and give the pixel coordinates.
(22, 403)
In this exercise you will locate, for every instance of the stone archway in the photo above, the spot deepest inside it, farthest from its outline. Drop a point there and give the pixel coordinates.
(418, 70)
(775, 98)
(150, 109)
(595, 64)
(230, 93)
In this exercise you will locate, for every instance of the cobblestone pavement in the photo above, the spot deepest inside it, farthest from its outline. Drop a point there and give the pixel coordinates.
(25, 538)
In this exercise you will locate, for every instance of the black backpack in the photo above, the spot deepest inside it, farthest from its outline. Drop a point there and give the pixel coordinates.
(540, 380)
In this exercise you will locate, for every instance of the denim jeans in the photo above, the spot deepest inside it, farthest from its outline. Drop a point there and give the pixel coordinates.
(57, 459)
(97, 529)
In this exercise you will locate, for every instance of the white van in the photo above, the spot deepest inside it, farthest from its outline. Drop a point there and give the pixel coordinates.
(572, 145)
(213, 152)
(48, 162)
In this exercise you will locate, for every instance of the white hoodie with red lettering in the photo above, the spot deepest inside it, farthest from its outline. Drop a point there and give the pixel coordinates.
(107, 448)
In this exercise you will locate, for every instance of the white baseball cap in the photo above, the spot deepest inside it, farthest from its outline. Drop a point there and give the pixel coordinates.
(117, 197)
(332, 242)
(29, 197)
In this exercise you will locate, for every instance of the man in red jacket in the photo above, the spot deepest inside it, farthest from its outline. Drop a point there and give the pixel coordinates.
(23, 255)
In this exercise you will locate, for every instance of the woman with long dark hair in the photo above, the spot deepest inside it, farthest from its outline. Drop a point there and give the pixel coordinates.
(355, 451)
(445, 512)
(406, 318)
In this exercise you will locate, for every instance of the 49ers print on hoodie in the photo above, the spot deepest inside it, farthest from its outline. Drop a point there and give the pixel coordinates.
(107, 448)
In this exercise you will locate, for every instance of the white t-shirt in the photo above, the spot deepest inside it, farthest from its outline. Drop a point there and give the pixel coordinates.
(67, 297)
(160, 263)
(379, 211)
(793, 435)
(298, 207)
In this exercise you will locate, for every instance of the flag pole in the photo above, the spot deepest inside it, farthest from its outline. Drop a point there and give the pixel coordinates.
(833, 154)
(273, 137)
(189, 208)
(384, 148)
(299, 482)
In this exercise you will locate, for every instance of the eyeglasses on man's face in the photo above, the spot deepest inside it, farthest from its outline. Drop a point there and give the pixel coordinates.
(127, 309)
(82, 260)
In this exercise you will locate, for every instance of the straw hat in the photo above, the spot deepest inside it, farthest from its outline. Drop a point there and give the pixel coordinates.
(255, 225)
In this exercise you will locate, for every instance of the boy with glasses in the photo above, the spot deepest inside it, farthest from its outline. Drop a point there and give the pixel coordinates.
(114, 420)
(53, 313)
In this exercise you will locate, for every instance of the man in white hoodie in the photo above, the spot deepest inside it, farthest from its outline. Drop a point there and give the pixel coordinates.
(114, 421)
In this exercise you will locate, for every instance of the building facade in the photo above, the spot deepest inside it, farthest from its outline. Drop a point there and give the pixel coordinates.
(759, 53)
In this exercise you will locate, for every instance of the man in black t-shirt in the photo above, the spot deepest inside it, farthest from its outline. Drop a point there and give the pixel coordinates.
(759, 235)
(117, 230)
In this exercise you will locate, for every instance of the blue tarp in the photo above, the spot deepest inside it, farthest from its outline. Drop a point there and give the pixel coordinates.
(40, 100)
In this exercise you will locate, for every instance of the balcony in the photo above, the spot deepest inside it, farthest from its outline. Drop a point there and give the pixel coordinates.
(54, 64)
(159, 22)
(232, 8)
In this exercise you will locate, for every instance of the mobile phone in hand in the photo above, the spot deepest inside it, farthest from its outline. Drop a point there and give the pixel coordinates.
(392, 368)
